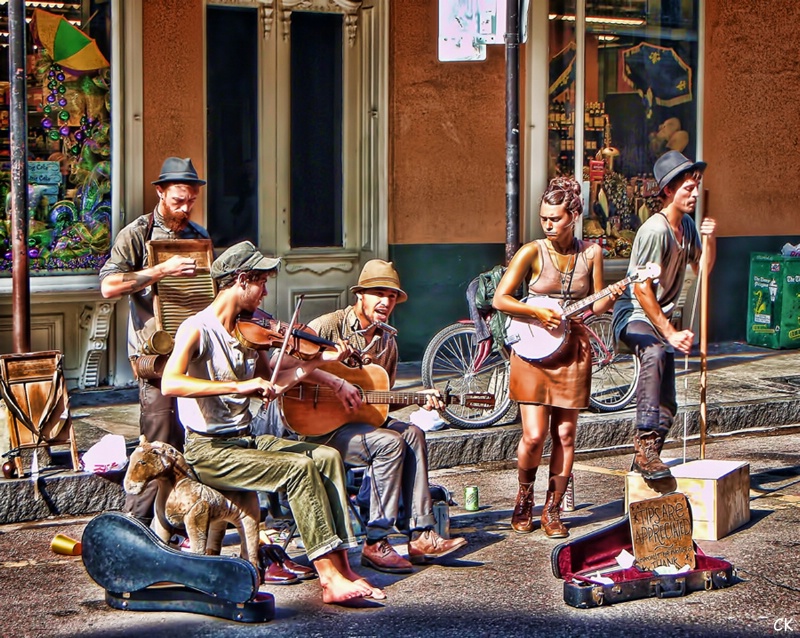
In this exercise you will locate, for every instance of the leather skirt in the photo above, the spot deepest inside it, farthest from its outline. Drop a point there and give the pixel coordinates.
(563, 380)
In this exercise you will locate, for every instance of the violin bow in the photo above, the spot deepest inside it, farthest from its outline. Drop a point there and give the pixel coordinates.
(286, 338)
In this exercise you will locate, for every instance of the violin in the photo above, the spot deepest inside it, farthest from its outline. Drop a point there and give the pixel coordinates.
(262, 331)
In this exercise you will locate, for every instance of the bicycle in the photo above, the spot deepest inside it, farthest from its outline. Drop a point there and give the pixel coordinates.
(455, 361)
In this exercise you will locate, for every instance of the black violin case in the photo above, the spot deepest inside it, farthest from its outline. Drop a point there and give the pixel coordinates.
(139, 572)
(573, 561)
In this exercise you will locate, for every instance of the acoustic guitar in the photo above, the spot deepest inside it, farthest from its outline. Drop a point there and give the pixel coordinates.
(532, 341)
(312, 409)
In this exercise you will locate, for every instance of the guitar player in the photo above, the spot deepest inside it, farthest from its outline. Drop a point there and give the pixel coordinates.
(396, 453)
(551, 392)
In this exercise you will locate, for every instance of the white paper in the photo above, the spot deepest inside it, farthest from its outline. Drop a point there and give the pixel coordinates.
(427, 420)
(625, 559)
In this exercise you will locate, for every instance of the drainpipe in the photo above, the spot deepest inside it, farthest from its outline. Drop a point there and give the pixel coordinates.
(18, 116)
(512, 128)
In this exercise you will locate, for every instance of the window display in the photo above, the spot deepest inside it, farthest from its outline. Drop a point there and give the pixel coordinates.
(639, 88)
(69, 139)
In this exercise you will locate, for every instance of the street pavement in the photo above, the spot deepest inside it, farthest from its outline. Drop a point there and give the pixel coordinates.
(501, 584)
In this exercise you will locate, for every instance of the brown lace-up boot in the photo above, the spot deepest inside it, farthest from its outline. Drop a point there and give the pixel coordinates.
(647, 461)
(551, 512)
(522, 518)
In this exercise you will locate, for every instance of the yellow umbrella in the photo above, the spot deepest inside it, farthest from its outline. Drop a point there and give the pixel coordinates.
(67, 44)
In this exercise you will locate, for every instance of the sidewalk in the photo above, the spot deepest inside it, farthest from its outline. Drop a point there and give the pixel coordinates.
(748, 389)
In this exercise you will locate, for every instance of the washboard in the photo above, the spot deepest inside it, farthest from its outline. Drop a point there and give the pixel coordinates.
(178, 298)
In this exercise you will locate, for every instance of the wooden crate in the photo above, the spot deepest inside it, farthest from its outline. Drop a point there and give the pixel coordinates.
(718, 491)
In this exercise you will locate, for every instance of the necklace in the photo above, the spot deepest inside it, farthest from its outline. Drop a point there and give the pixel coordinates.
(565, 275)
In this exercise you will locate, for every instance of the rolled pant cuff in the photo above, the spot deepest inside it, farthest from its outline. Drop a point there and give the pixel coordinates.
(427, 521)
(324, 548)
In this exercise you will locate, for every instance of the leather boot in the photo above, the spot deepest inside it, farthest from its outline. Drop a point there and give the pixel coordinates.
(522, 518)
(551, 516)
(647, 460)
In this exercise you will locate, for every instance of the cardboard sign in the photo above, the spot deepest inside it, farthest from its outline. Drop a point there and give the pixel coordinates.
(661, 529)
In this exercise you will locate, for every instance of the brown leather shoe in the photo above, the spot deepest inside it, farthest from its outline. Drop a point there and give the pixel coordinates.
(551, 516)
(277, 554)
(273, 573)
(646, 460)
(522, 517)
(429, 545)
(383, 557)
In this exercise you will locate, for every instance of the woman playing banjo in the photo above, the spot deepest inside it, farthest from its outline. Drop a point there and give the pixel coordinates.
(551, 391)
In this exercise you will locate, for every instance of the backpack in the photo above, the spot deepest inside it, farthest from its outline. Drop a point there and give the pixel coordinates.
(496, 320)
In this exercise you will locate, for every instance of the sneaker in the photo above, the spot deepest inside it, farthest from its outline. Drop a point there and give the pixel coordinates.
(647, 447)
(430, 545)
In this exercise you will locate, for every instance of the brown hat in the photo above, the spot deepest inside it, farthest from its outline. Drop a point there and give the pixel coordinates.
(379, 274)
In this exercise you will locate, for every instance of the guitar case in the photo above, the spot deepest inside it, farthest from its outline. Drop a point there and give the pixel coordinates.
(139, 572)
(575, 560)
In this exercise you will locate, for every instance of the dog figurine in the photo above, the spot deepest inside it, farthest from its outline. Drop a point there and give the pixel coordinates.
(184, 502)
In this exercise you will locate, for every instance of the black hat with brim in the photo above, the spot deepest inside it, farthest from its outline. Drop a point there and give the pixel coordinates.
(671, 164)
(179, 170)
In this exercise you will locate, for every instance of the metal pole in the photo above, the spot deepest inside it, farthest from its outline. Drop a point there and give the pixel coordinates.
(512, 128)
(21, 295)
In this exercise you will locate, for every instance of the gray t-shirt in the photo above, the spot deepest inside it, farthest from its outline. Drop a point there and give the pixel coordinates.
(655, 242)
(129, 254)
(220, 358)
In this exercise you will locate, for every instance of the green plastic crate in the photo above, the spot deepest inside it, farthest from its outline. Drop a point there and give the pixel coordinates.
(773, 301)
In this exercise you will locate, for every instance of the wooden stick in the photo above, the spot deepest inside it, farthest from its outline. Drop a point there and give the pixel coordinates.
(703, 345)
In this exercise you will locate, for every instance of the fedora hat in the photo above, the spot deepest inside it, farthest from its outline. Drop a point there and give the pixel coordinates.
(377, 273)
(181, 170)
(671, 164)
(242, 257)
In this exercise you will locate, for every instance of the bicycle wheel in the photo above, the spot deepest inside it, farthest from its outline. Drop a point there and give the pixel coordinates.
(614, 375)
(455, 361)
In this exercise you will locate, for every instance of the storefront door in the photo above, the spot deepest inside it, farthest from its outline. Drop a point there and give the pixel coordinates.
(296, 144)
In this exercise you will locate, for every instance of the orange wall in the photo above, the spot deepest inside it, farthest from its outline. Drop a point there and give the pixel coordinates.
(447, 136)
(751, 138)
(173, 64)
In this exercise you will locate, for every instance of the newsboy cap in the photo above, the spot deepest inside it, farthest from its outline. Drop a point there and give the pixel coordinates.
(242, 257)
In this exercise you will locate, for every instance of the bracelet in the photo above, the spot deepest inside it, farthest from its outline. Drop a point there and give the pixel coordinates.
(341, 385)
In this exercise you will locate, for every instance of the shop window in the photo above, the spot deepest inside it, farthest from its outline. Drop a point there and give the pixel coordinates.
(640, 100)
(316, 130)
(69, 137)
(232, 98)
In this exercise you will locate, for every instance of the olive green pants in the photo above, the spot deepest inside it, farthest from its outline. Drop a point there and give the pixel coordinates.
(313, 476)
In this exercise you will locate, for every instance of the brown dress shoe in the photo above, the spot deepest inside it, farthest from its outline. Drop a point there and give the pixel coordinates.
(277, 554)
(646, 460)
(522, 517)
(429, 545)
(273, 573)
(551, 516)
(383, 557)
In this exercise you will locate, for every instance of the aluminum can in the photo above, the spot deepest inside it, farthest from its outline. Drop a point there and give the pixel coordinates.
(441, 512)
(471, 498)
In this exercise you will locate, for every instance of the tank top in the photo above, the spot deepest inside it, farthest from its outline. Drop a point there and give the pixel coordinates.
(554, 283)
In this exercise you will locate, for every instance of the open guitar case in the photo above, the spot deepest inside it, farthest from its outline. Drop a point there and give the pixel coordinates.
(575, 560)
(139, 572)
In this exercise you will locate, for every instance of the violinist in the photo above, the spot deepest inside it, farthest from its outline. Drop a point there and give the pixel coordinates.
(214, 377)
(396, 453)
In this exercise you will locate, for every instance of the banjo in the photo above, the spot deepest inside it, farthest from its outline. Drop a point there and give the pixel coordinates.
(531, 340)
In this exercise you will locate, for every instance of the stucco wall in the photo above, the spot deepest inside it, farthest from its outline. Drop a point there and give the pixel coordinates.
(447, 132)
(752, 116)
(173, 63)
